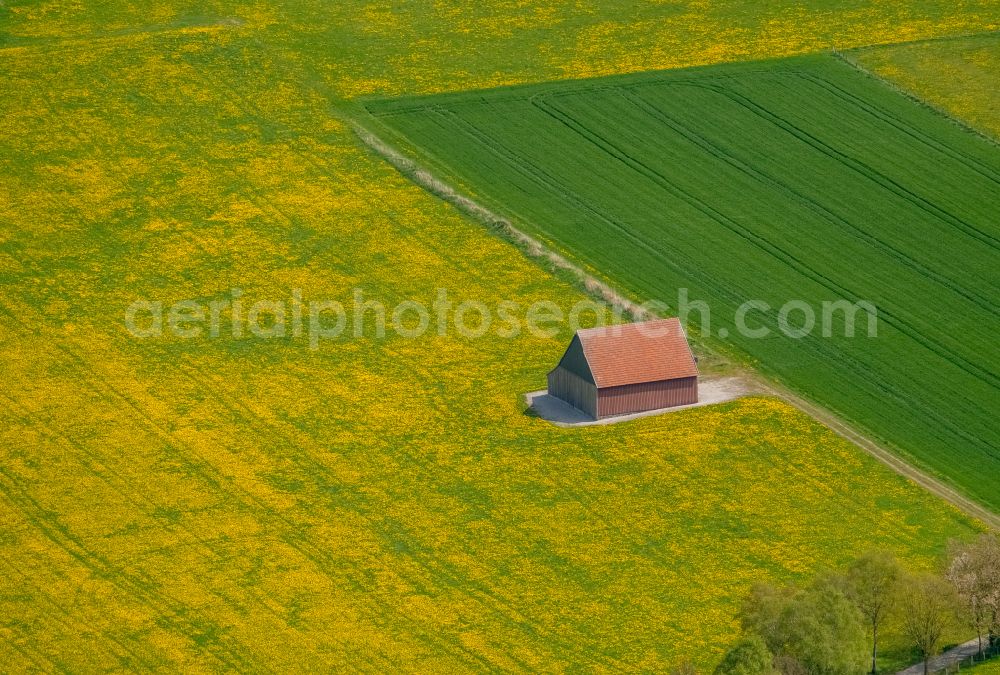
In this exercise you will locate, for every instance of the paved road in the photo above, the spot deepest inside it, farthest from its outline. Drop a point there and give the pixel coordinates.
(949, 658)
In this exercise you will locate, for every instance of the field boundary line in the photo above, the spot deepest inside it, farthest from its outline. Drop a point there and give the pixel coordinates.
(536, 250)
(528, 245)
(540, 176)
(928, 40)
(844, 57)
(893, 460)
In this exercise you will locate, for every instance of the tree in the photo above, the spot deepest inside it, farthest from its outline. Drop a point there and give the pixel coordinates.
(974, 572)
(966, 572)
(989, 545)
(928, 604)
(817, 629)
(826, 632)
(763, 610)
(870, 583)
(749, 656)
(789, 665)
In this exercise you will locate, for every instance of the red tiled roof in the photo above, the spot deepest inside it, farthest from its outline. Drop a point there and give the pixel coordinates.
(649, 351)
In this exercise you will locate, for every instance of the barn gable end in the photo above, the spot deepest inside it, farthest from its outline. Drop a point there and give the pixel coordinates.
(575, 361)
(572, 380)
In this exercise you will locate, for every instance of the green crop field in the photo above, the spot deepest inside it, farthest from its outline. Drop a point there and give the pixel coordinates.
(796, 180)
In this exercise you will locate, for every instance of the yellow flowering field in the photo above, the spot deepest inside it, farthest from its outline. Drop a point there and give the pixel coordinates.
(956, 75)
(211, 503)
(361, 47)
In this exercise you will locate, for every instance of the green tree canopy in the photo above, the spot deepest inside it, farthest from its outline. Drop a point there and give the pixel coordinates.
(871, 583)
(928, 604)
(817, 627)
(749, 656)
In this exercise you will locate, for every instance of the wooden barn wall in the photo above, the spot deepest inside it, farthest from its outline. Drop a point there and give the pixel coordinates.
(574, 390)
(575, 361)
(632, 398)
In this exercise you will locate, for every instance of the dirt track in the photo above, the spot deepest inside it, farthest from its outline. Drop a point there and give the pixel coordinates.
(532, 248)
(885, 456)
(719, 389)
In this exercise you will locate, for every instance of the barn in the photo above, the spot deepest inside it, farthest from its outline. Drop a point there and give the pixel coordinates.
(618, 370)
